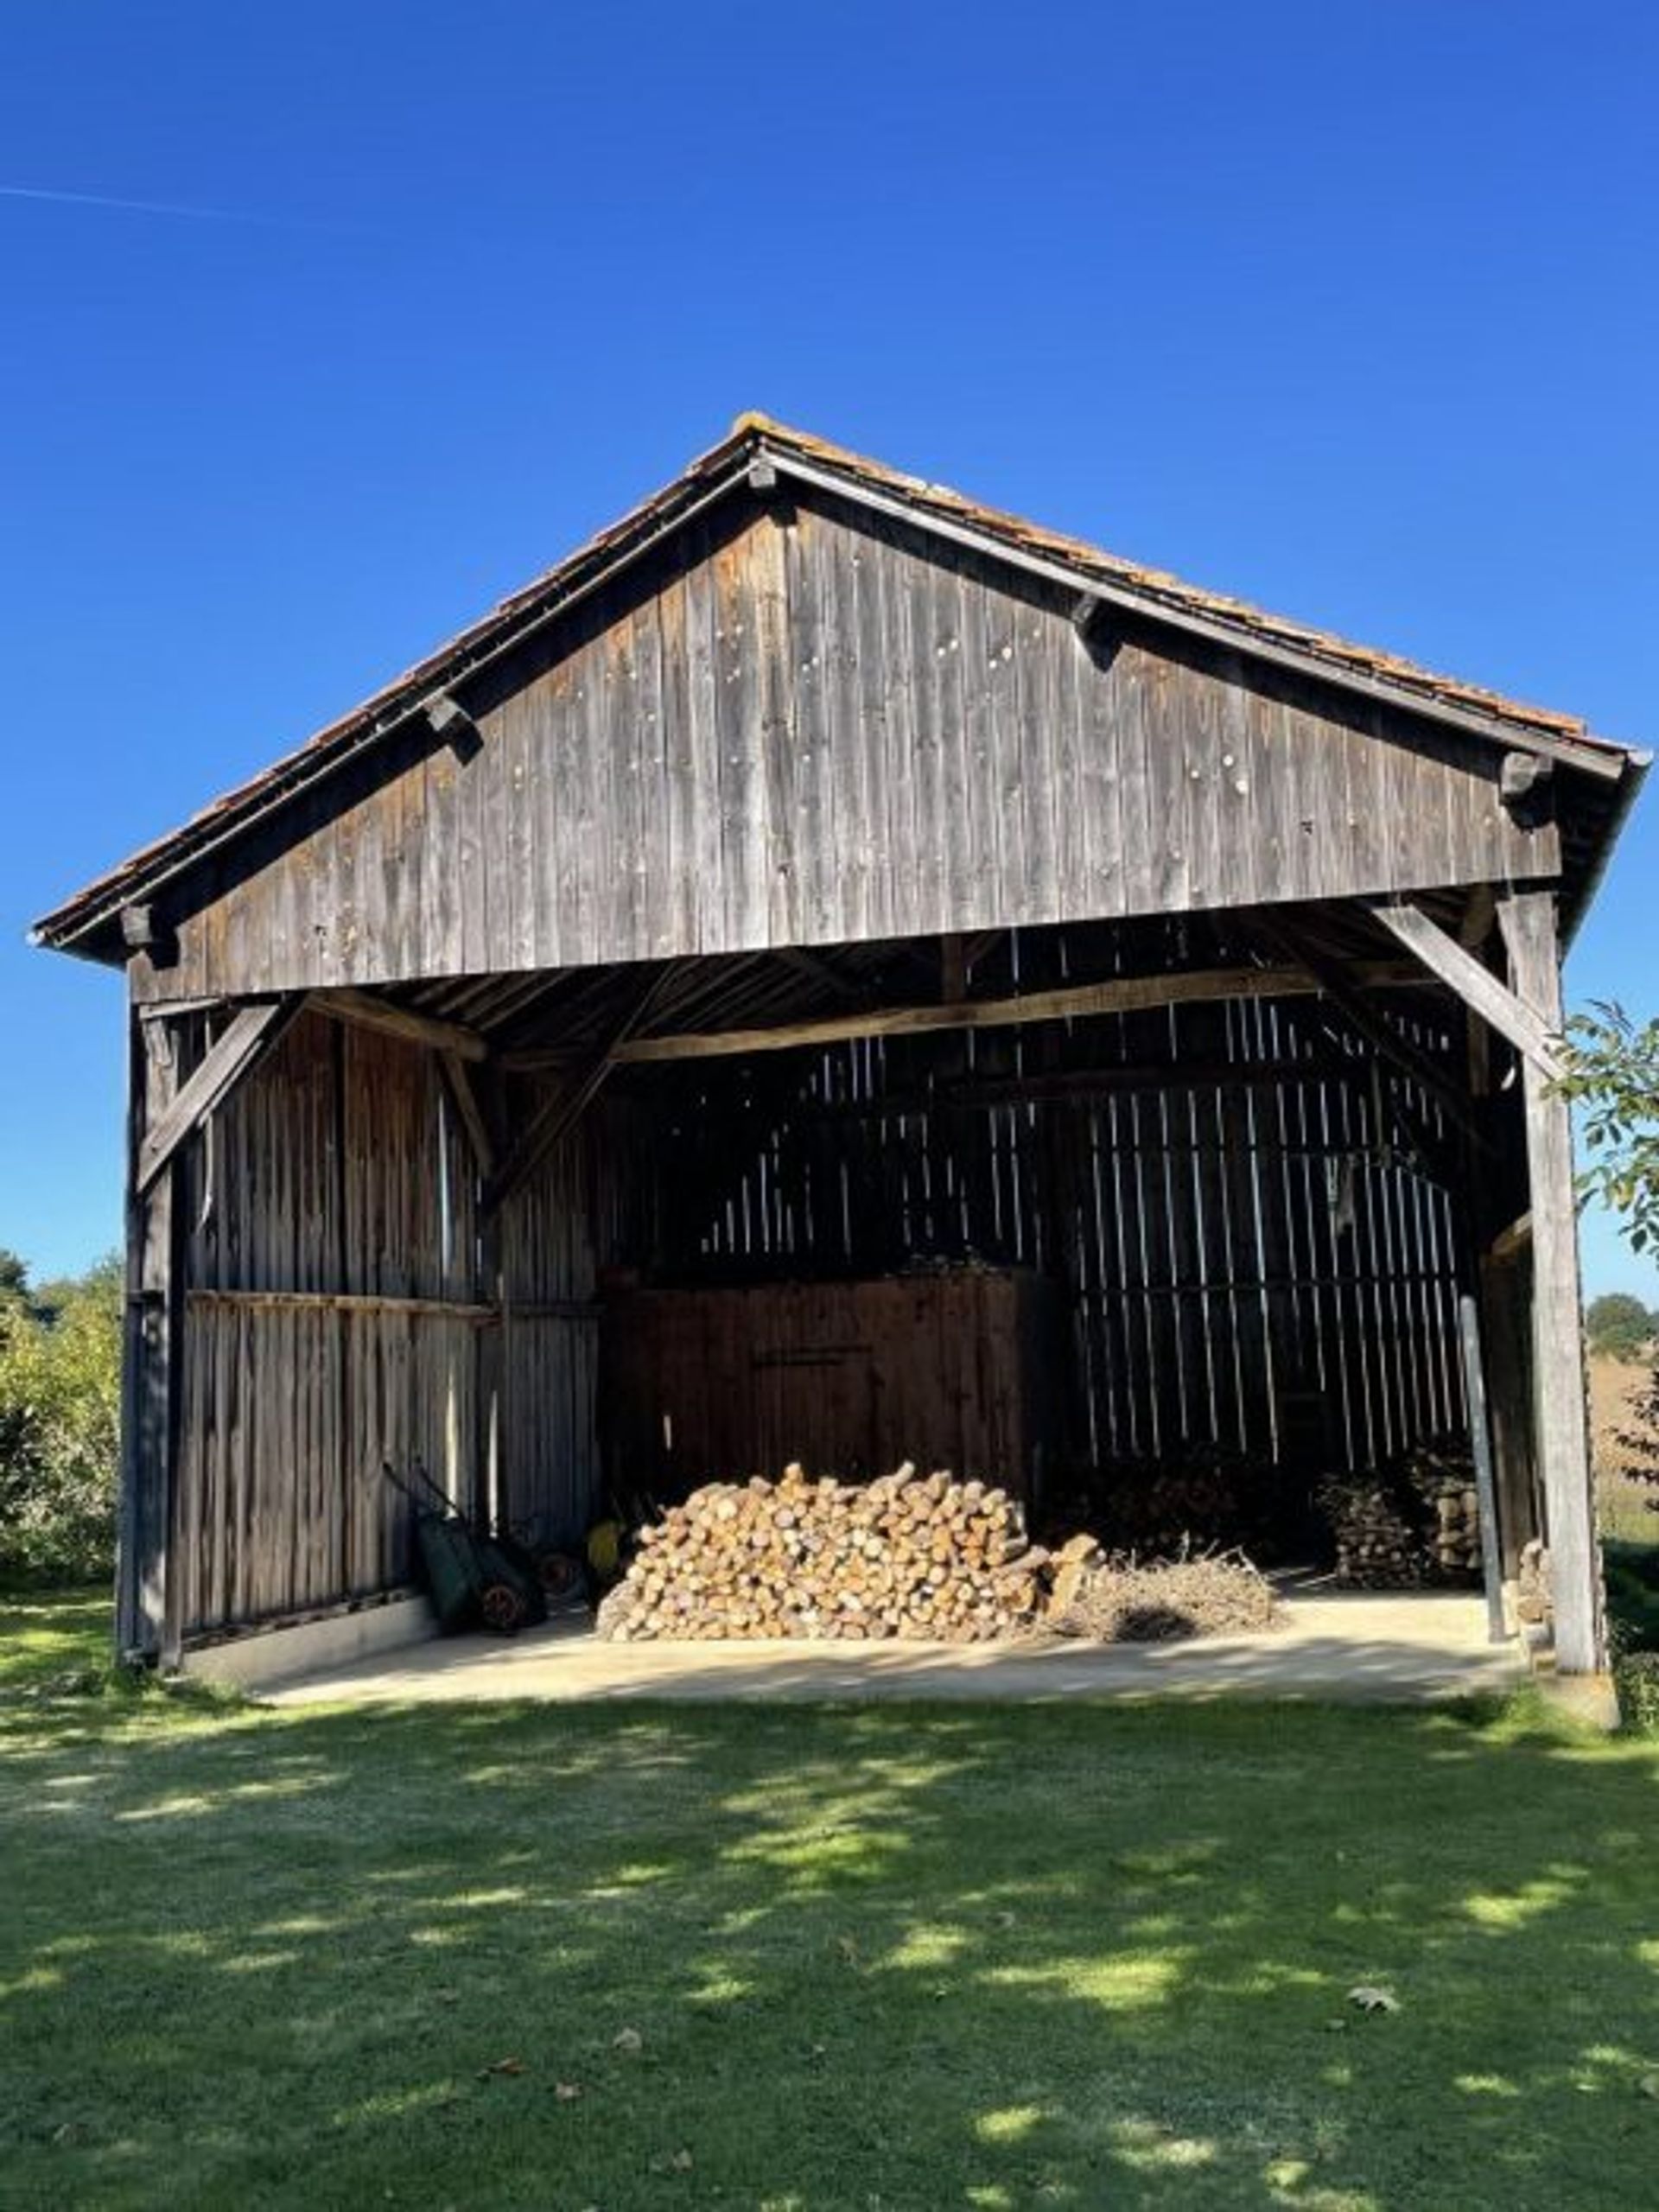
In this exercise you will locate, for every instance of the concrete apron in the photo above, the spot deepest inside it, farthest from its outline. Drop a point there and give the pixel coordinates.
(1355, 1645)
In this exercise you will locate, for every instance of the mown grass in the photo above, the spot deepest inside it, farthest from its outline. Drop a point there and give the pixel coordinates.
(891, 1957)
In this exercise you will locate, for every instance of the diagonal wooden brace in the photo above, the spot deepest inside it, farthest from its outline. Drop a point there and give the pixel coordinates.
(252, 1033)
(1474, 984)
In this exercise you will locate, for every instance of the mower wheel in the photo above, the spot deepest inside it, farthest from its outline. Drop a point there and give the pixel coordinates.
(502, 1607)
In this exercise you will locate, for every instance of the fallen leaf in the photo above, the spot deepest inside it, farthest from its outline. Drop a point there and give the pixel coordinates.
(567, 2092)
(1369, 1998)
(629, 2041)
(502, 2066)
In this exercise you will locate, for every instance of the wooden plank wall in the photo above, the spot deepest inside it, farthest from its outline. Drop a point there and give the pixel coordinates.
(849, 1378)
(591, 1208)
(1258, 1263)
(328, 1262)
(827, 729)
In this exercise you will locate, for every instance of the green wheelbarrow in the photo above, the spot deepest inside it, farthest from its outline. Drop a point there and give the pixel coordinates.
(473, 1579)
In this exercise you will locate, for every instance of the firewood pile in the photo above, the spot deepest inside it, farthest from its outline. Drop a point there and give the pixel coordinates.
(906, 1555)
(1204, 1494)
(1413, 1522)
(1444, 1478)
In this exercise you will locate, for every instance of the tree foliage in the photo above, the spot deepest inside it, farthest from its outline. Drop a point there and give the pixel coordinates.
(60, 1421)
(1619, 1325)
(1612, 1075)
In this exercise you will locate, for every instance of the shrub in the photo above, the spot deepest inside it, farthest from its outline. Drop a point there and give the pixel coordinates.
(1636, 1678)
(59, 1427)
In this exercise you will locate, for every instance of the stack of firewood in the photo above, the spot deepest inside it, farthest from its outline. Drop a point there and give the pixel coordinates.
(906, 1555)
(1416, 1520)
(1443, 1476)
(1200, 1494)
(1377, 1548)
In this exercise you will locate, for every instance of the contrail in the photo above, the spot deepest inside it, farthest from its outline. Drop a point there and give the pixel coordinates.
(159, 207)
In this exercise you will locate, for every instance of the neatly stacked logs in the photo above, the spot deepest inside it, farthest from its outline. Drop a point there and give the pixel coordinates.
(1376, 1546)
(1415, 1521)
(906, 1555)
(1444, 1478)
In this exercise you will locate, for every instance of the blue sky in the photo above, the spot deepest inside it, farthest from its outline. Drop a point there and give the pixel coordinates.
(1351, 310)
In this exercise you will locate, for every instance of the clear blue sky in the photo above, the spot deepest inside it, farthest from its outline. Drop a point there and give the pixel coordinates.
(1353, 310)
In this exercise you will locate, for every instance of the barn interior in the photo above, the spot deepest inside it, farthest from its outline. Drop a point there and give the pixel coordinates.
(1076, 1210)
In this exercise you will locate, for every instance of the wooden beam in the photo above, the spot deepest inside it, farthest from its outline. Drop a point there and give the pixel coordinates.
(1511, 1242)
(1473, 981)
(1480, 1443)
(366, 1011)
(553, 1121)
(1562, 1454)
(252, 1033)
(1119, 995)
(452, 722)
(148, 1375)
(1346, 983)
(461, 1090)
(340, 1301)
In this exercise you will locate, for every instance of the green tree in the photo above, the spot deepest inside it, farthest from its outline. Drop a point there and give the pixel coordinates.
(1612, 1075)
(60, 1425)
(1619, 1325)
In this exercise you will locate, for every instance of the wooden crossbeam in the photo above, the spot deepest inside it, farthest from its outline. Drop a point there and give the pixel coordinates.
(251, 1033)
(1119, 994)
(1473, 981)
(366, 1011)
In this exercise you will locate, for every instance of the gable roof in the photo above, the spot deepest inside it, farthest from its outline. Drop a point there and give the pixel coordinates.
(85, 922)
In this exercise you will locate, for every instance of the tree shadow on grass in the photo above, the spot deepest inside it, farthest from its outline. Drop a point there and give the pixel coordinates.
(896, 1956)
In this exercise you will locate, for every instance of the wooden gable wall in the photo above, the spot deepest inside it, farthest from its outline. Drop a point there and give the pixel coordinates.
(807, 725)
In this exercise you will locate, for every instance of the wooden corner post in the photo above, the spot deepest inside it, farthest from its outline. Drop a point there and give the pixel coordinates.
(149, 1329)
(1562, 1441)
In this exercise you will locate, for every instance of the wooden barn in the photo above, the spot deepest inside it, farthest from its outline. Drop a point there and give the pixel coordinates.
(829, 971)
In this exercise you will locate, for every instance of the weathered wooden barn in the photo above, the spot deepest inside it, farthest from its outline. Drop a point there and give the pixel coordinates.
(832, 971)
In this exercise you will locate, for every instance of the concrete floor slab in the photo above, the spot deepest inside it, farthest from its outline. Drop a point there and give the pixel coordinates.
(1350, 1645)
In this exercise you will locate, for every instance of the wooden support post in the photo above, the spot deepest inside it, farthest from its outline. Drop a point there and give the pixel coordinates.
(1480, 1440)
(143, 1627)
(1527, 921)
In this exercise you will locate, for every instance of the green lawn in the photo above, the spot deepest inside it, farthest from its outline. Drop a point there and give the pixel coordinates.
(902, 1957)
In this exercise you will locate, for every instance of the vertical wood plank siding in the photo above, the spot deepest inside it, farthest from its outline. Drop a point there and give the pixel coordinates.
(332, 1319)
(826, 728)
